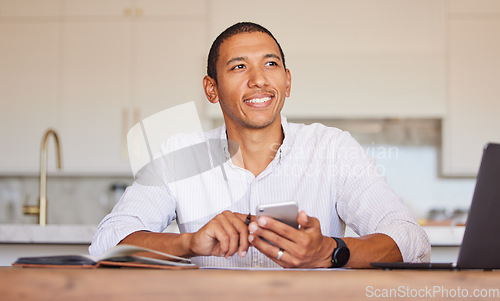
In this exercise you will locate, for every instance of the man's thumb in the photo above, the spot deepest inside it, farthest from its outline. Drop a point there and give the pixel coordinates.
(305, 221)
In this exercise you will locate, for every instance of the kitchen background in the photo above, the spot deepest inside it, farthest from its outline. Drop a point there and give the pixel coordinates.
(417, 82)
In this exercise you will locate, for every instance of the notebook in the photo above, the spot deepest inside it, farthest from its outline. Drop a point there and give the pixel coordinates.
(480, 246)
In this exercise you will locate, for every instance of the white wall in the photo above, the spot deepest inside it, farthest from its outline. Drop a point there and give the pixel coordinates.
(349, 58)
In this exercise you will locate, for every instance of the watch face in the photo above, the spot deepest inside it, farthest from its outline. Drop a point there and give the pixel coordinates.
(341, 256)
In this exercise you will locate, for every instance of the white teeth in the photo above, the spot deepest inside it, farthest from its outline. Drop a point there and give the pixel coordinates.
(258, 100)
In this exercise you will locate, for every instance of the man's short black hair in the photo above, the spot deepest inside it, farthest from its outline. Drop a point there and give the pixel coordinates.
(242, 27)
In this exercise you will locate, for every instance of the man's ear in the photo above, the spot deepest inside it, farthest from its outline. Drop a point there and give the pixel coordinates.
(210, 88)
(288, 83)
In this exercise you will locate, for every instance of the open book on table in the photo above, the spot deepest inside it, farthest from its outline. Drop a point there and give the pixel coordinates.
(119, 256)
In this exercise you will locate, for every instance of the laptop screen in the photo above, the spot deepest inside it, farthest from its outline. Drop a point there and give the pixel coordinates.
(481, 244)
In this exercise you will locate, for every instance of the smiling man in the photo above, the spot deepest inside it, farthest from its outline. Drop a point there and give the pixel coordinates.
(251, 84)
(323, 169)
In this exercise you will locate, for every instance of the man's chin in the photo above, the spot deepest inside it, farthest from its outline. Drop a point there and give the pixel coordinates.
(253, 120)
(260, 124)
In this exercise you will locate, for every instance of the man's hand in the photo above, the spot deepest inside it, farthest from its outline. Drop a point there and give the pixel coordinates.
(305, 247)
(224, 235)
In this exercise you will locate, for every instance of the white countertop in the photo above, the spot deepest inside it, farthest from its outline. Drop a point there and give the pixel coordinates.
(82, 234)
(445, 235)
(49, 234)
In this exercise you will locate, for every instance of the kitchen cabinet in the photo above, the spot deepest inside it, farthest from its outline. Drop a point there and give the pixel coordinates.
(29, 89)
(136, 8)
(473, 8)
(106, 66)
(119, 70)
(353, 59)
(474, 93)
(91, 69)
(96, 86)
(111, 85)
(30, 8)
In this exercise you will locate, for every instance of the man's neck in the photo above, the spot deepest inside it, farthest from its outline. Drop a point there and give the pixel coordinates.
(256, 147)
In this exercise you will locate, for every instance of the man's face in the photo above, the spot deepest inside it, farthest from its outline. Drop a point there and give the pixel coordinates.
(252, 83)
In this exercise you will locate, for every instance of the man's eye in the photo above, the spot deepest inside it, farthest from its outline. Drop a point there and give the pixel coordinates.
(237, 67)
(271, 64)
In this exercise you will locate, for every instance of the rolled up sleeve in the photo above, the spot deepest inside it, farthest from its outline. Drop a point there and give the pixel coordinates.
(368, 205)
(141, 208)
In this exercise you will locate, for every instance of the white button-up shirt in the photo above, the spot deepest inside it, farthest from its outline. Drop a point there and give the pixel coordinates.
(321, 168)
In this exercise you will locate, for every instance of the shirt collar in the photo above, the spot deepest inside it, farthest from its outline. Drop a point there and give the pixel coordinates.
(288, 137)
(283, 150)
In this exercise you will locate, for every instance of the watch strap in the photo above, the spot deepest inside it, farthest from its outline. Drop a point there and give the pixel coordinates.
(340, 243)
(341, 254)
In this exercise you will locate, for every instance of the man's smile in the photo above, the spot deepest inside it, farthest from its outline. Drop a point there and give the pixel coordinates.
(258, 100)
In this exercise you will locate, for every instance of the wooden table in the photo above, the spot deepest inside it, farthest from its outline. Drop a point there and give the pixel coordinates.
(288, 285)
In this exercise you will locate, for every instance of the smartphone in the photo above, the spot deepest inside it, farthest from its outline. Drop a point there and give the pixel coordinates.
(285, 212)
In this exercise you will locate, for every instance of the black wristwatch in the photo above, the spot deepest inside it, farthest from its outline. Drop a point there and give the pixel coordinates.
(341, 254)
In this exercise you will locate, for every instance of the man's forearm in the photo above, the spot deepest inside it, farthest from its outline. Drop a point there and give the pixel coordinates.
(371, 248)
(171, 243)
(224, 235)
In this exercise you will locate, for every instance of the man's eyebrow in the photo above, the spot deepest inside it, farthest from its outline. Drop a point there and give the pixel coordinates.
(241, 58)
(272, 55)
(236, 59)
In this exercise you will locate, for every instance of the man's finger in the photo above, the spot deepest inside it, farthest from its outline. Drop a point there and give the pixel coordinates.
(277, 227)
(306, 221)
(230, 223)
(271, 238)
(243, 217)
(242, 229)
(240, 224)
(238, 233)
(217, 232)
(271, 251)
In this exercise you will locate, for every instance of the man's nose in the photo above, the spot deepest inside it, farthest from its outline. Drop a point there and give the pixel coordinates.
(257, 78)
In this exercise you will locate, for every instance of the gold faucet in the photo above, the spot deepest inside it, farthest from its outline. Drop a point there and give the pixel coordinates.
(41, 208)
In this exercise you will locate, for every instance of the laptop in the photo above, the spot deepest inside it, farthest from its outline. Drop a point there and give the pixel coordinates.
(480, 247)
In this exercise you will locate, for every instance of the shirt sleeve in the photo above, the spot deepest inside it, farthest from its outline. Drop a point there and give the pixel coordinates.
(367, 204)
(145, 206)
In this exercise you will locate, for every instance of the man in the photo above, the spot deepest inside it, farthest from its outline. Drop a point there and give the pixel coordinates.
(323, 169)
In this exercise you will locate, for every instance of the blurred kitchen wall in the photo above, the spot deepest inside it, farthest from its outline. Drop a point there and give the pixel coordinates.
(412, 80)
